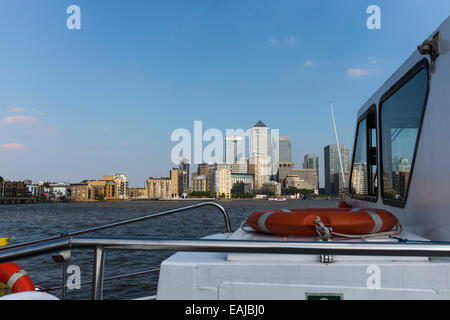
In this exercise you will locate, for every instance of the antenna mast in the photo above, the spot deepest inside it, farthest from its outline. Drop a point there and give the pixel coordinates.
(338, 146)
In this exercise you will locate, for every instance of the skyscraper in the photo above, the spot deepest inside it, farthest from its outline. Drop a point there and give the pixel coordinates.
(260, 168)
(234, 149)
(260, 155)
(311, 161)
(184, 178)
(332, 166)
(285, 149)
(260, 141)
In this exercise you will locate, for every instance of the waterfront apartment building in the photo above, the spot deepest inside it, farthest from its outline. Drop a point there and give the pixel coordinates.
(81, 191)
(98, 188)
(175, 182)
(137, 193)
(59, 190)
(332, 166)
(35, 190)
(158, 188)
(219, 180)
(13, 189)
(166, 188)
(88, 190)
(213, 177)
(110, 190)
(121, 185)
(205, 170)
(199, 183)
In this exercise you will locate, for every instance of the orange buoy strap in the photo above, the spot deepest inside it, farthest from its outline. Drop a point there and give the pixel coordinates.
(262, 221)
(377, 220)
(16, 276)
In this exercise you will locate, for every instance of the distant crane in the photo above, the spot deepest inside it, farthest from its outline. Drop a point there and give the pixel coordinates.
(338, 147)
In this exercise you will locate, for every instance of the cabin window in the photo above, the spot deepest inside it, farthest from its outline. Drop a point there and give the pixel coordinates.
(400, 119)
(363, 181)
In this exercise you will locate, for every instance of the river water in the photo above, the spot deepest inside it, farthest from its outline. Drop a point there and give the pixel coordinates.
(32, 221)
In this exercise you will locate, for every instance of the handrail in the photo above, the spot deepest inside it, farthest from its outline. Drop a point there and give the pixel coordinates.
(258, 246)
(124, 222)
(101, 244)
(430, 249)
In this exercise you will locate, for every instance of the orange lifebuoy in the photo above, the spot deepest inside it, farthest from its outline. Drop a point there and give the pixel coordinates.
(15, 278)
(343, 204)
(341, 220)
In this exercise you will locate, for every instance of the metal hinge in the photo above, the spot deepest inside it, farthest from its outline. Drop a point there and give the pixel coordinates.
(431, 48)
(326, 258)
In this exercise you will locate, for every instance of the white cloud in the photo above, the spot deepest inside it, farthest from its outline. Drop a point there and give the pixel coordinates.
(273, 41)
(308, 63)
(357, 72)
(375, 60)
(31, 122)
(26, 120)
(106, 129)
(12, 147)
(292, 40)
(23, 110)
(36, 111)
(17, 110)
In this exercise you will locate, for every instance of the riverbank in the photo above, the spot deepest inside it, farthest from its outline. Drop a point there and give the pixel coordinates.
(9, 201)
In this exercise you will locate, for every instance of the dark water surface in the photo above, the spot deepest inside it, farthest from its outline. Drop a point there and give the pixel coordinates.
(28, 222)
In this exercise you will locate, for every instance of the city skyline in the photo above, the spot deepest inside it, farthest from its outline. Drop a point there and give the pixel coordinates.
(234, 147)
(78, 103)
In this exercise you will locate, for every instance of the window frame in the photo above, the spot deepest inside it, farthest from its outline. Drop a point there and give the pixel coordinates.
(373, 198)
(418, 67)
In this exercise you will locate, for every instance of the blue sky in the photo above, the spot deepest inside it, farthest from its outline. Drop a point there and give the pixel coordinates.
(80, 104)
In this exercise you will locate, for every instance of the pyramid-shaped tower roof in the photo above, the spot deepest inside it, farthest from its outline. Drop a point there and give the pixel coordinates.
(260, 124)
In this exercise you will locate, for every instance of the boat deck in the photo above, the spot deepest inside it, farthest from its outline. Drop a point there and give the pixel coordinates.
(209, 275)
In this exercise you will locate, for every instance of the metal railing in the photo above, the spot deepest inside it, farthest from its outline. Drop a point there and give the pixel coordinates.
(49, 244)
(124, 222)
(102, 244)
(105, 279)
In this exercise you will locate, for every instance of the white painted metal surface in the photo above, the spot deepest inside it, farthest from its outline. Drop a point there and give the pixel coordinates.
(426, 212)
(187, 275)
(240, 234)
(29, 295)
